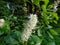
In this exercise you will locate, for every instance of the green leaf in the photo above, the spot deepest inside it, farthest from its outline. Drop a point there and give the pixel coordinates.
(55, 15)
(51, 43)
(39, 32)
(55, 21)
(11, 40)
(50, 35)
(53, 32)
(17, 33)
(50, 6)
(36, 2)
(46, 2)
(36, 39)
(6, 27)
(44, 8)
(45, 18)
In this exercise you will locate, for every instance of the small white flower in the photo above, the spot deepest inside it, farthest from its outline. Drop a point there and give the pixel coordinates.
(55, 8)
(2, 22)
(28, 28)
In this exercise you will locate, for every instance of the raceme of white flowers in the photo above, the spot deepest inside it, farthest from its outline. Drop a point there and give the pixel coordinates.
(2, 21)
(28, 29)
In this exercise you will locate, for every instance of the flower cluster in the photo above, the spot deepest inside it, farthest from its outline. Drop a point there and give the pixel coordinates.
(56, 3)
(28, 29)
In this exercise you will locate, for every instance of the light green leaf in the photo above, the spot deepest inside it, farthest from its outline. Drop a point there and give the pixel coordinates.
(55, 15)
(50, 35)
(46, 2)
(53, 32)
(39, 33)
(55, 21)
(50, 6)
(44, 8)
(36, 2)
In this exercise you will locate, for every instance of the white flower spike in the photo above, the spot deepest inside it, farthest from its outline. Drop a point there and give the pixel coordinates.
(28, 29)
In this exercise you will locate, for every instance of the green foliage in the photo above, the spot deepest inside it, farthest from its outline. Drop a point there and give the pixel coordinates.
(46, 31)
